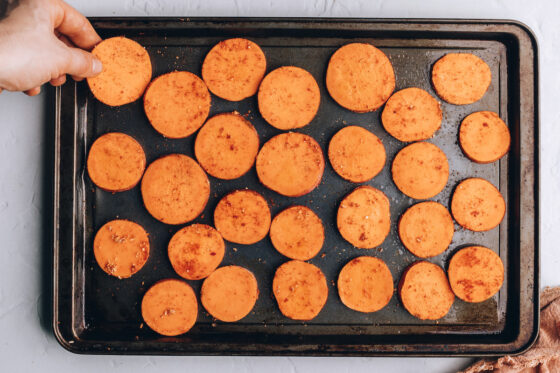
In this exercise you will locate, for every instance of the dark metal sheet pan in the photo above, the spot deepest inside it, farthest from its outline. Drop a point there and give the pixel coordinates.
(95, 313)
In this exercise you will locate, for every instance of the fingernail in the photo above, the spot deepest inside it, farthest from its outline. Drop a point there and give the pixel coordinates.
(97, 66)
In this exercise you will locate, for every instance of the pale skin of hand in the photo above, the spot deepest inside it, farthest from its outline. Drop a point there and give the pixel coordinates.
(43, 40)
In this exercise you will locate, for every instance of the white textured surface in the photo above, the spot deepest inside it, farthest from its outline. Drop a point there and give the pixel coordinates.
(26, 345)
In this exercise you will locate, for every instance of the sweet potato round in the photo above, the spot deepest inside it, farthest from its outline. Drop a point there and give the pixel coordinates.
(297, 232)
(426, 229)
(177, 104)
(234, 68)
(116, 162)
(289, 98)
(121, 248)
(420, 170)
(291, 164)
(175, 189)
(360, 77)
(196, 251)
(477, 205)
(127, 70)
(425, 292)
(364, 218)
(461, 78)
(170, 307)
(484, 137)
(300, 289)
(226, 146)
(242, 217)
(365, 284)
(229, 293)
(411, 114)
(356, 154)
(476, 273)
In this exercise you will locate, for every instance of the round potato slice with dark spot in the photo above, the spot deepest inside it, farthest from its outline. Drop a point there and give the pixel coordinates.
(196, 251)
(291, 164)
(170, 307)
(484, 137)
(425, 292)
(364, 218)
(121, 248)
(127, 71)
(229, 293)
(420, 170)
(234, 68)
(242, 217)
(411, 114)
(365, 284)
(477, 205)
(177, 104)
(476, 273)
(461, 78)
(360, 77)
(300, 289)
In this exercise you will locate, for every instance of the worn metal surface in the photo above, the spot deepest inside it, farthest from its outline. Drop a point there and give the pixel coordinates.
(97, 313)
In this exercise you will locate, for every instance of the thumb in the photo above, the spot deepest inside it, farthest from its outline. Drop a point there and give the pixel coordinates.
(82, 64)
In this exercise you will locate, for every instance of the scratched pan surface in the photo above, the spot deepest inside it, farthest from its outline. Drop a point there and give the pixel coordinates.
(97, 313)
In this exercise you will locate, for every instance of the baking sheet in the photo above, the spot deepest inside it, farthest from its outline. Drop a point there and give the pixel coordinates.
(104, 312)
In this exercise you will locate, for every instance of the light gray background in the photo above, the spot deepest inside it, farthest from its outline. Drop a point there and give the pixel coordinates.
(27, 344)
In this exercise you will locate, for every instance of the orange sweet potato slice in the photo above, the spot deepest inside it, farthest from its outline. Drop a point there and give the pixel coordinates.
(461, 78)
(291, 164)
(356, 154)
(243, 217)
(425, 292)
(420, 170)
(170, 307)
(121, 248)
(127, 70)
(484, 137)
(365, 284)
(411, 114)
(300, 289)
(116, 162)
(196, 251)
(297, 232)
(364, 218)
(289, 97)
(476, 273)
(229, 293)
(226, 146)
(234, 68)
(426, 229)
(360, 77)
(175, 189)
(177, 104)
(477, 205)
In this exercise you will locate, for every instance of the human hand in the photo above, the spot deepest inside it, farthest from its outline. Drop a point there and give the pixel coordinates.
(43, 40)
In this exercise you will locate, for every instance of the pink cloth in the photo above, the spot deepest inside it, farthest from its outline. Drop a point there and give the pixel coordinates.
(544, 356)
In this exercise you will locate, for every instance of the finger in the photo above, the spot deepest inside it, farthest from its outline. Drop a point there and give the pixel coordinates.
(58, 80)
(33, 91)
(74, 25)
(1, 90)
(68, 43)
(82, 64)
